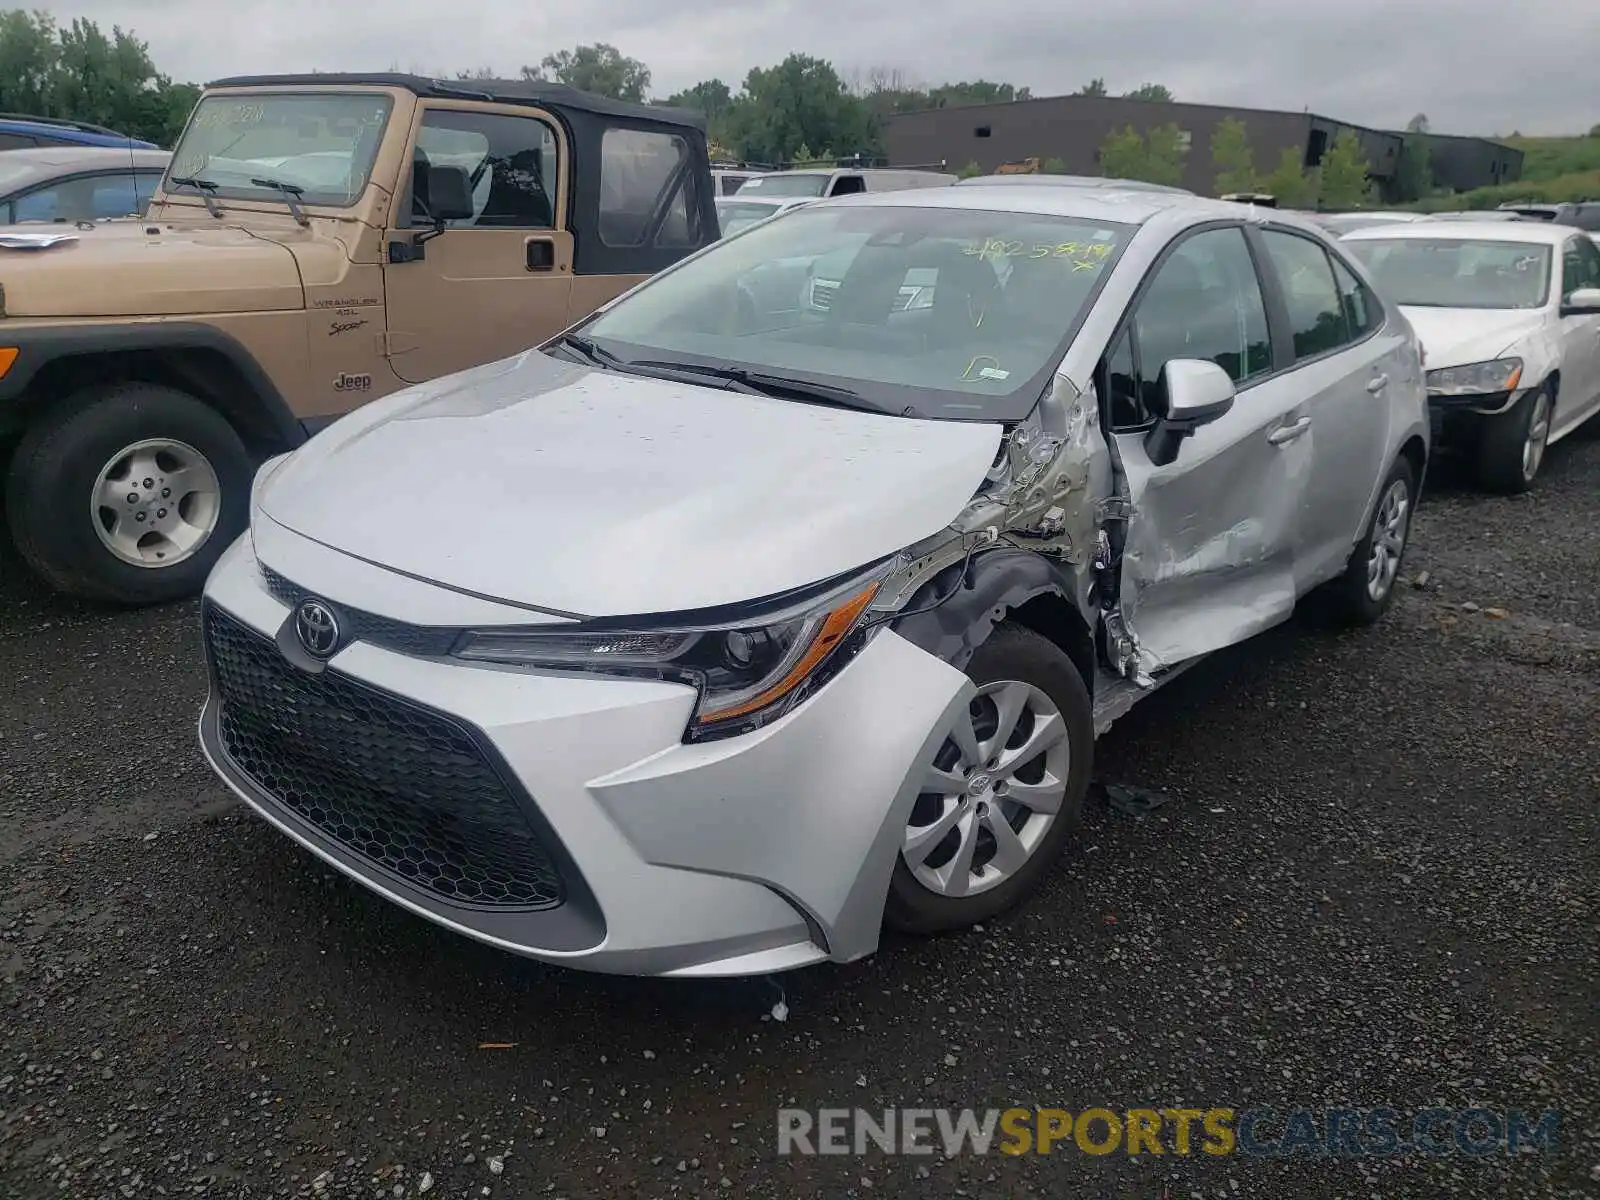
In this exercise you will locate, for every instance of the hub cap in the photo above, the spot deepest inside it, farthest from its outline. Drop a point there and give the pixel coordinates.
(1538, 435)
(991, 793)
(155, 503)
(1388, 539)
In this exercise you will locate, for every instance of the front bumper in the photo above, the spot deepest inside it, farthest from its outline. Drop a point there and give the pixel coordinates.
(563, 816)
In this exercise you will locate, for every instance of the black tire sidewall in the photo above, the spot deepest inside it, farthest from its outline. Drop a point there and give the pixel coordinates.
(1501, 441)
(1010, 652)
(52, 477)
(1359, 605)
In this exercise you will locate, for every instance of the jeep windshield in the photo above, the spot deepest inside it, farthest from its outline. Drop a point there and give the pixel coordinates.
(1003, 295)
(320, 142)
(1457, 273)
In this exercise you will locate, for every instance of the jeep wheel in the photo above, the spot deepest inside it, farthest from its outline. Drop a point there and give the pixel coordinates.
(128, 493)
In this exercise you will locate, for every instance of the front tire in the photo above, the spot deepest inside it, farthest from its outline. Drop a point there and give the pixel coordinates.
(1512, 444)
(1004, 792)
(128, 493)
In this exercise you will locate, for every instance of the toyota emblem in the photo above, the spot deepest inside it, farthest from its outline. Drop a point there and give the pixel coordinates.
(318, 628)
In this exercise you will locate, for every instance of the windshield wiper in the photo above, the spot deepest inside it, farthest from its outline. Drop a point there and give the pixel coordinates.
(590, 350)
(765, 384)
(206, 188)
(291, 194)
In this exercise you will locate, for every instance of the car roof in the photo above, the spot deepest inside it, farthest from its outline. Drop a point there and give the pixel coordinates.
(69, 133)
(511, 91)
(1092, 204)
(1082, 181)
(1535, 233)
(38, 164)
(770, 201)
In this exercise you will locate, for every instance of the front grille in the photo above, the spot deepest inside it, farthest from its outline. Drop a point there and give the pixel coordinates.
(399, 636)
(404, 788)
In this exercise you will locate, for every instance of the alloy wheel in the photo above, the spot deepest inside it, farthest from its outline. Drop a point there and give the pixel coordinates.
(1538, 436)
(992, 792)
(156, 502)
(1389, 528)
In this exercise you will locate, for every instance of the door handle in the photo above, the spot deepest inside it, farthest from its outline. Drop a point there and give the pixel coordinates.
(1377, 383)
(1284, 434)
(541, 254)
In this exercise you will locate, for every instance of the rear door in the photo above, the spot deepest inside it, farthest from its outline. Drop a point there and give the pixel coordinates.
(1344, 359)
(1580, 337)
(499, 281)
(1209, 556)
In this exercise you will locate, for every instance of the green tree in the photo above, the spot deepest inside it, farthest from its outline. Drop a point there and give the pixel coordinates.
(80, 73)
(1165, 154)
(711, 96)
(1289, 181)
(1095, 87)
(1234, 160)
(979, 91)
(801, 101)
(1344, 173)
(969, 171)
(1153, 92)
(1123, 155)
(1053, 166)
(600, 68)
(1413, 177)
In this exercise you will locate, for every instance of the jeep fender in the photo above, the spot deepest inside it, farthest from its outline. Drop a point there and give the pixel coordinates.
(262, 413)
(1001, 580)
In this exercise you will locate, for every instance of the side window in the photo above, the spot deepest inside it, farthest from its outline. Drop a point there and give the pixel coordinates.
(848, 185)
(1124, 411)
(15, 141)
(1361, 313)
(510, 164)
(646, 177)
(1204, 302)
(1580, 266)
(1316, 314)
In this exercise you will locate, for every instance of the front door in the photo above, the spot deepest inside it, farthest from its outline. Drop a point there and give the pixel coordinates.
(1208, 558)
(1343, 365)
(1579, 398)
(499, 281)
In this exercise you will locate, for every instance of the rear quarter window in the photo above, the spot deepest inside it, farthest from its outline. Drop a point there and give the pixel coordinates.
(645, 175)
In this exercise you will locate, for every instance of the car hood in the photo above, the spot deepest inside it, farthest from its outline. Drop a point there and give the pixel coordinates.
(588, 492)
(121, 269)
(1455, 336)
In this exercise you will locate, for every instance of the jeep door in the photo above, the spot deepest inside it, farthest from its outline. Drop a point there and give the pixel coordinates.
(498, 281)
(1209, 553)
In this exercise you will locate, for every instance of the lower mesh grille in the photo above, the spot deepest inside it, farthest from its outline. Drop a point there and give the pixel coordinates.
(403, 788)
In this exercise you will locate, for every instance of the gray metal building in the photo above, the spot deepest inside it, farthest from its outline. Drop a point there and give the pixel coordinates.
(1073, 128)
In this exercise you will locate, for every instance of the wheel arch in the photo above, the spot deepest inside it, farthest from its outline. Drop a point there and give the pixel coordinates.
(1001, 585)
(198, 359)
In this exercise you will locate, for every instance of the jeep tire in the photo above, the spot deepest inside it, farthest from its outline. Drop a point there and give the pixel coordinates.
(128, 493)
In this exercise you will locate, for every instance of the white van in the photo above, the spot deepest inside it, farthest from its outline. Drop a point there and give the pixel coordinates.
(841, 181)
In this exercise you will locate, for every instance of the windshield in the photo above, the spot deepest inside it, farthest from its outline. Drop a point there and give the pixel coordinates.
(735, 217)
(948, 312)
(1446, 273)
(786, 185)
(321, 142)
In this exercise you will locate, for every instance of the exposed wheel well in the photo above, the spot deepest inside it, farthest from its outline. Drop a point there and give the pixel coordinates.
(205, 373)
(1415, 453)
(1054, 617)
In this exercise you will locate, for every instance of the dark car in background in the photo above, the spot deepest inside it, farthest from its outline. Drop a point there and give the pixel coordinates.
(22, 131)
(77, 183)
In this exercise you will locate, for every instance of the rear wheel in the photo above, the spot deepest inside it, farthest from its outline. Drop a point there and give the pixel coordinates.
(1511, 449)
(128, 493)
(1003, 793)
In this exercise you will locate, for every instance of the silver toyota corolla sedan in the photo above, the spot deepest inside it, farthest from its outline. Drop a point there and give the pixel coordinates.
(706, 640)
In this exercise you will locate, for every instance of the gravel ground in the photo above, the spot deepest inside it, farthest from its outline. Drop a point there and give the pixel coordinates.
(1374, 886)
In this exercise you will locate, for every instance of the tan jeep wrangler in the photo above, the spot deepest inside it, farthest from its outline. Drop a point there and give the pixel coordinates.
(319, 241)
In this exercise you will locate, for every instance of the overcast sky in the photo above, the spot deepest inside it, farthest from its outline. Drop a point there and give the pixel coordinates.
(1473, 66)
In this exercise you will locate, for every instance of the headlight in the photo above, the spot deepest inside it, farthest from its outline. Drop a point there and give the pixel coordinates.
(1476, 379)
(747, 674)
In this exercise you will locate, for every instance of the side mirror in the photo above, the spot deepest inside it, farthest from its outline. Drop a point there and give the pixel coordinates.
(449, 194)
(1198, 392)
(1584, 302)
